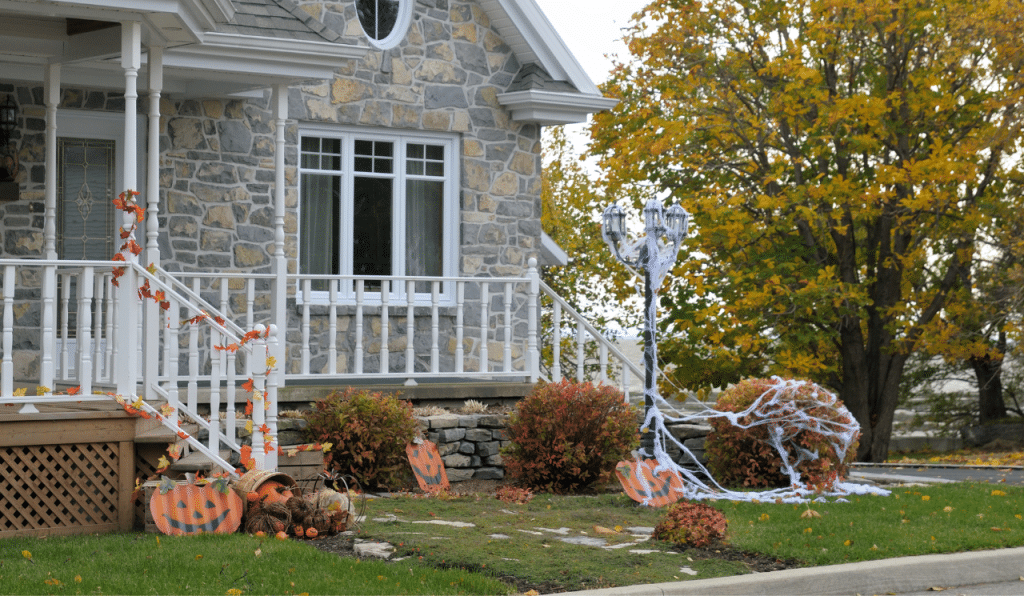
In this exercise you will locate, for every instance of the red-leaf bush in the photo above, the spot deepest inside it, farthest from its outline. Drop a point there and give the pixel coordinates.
(567, 437)
(691, 524)
(745, 457)
(369, 431)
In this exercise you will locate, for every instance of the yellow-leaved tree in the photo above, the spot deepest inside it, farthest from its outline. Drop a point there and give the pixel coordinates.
(842, 161)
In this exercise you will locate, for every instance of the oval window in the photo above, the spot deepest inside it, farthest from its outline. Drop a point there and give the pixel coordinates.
(384, 21)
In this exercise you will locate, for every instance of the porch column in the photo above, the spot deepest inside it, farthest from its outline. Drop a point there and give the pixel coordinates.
(279, 105)
(152, 322)
(127, 322)
(51, 97)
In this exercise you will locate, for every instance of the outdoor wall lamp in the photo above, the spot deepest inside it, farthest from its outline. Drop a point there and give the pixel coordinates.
(654, 254)
(8, 121)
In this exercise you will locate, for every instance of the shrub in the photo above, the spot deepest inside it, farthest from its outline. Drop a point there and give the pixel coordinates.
(805, 414)
(691, 524)
(369, 431)
(566, 437)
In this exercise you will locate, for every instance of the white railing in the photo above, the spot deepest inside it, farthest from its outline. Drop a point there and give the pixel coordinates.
(338, 329)
(612, 365)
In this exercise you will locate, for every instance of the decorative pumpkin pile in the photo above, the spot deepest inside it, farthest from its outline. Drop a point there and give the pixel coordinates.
(275, 509)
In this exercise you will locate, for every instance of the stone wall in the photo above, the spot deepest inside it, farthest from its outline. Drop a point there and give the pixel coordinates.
(469, 444)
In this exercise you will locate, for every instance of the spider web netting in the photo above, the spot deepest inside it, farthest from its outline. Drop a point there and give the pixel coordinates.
(785, 418)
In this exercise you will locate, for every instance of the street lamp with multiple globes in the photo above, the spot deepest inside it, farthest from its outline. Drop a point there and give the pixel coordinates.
(654, 254)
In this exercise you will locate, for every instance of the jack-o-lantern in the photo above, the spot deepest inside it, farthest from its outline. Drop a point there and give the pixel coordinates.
(428, 467)
(180, 509)
(658, 490)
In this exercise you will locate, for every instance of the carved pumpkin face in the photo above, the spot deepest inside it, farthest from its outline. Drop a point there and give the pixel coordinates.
(427, 466)
(191, 509)
(664, 489)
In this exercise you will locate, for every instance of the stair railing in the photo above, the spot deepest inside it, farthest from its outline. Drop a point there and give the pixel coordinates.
(585, 333)
(225, 339)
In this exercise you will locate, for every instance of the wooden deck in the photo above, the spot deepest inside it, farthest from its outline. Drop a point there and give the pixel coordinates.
(67, 470)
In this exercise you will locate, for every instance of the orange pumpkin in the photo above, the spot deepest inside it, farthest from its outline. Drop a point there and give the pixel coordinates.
(281, 535)
(180, 509)
(427, 466)
(664, 489)
(274, 491)
(311, 533)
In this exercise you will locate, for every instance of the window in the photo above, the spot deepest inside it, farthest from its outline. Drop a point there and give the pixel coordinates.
(384, 21)
(377, 205)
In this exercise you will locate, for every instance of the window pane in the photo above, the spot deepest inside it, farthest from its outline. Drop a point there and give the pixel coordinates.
(378, 17)
(423, 160)
(86, 226)
(321, 154)
(424, 229)
(318, 233)
(371, 224)
(374, 156)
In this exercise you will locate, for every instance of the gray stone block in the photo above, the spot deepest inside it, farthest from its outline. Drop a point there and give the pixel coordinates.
(469, 421)
(447, 449)
(443, 421)
(488, 448)
(456, 461)
(493, 420)
(494, 460)
(478, 435)
(467, 448)
(459, 475)
(450, 435)
(489, 474)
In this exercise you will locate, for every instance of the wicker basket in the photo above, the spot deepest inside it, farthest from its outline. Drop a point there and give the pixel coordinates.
(253, 479)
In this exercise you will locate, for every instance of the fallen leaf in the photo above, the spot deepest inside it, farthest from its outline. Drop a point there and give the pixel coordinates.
(604, 530)
(258, 552)
(810, 513)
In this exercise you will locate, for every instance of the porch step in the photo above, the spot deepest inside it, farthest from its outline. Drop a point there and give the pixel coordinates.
(198, 462)
(162, 434)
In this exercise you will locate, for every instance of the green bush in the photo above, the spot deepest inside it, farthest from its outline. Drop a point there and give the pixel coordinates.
(566, 437)
(369, 431)
(691, 524)
(745, 457)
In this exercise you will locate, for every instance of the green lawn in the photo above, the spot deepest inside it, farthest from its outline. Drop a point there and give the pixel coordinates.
(211, 564)
(522, 545)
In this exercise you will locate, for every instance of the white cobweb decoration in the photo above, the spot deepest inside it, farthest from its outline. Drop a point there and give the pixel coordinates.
(785, 420)
(658, 258)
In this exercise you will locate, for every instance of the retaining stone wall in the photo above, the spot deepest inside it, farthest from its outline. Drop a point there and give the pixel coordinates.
(469, 444)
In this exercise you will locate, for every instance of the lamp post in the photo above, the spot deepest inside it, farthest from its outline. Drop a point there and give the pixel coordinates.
(654, 254)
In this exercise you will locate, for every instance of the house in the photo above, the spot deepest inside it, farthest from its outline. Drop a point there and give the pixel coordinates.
(358, 181)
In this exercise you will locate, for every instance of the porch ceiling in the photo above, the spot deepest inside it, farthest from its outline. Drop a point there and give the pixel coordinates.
(85, 37)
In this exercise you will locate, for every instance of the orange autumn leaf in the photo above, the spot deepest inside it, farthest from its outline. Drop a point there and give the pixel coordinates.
(264, 428)
(248, 407)
(247, 385)
(75, 390)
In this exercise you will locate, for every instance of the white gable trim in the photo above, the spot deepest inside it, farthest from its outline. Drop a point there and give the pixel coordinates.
(533, 39)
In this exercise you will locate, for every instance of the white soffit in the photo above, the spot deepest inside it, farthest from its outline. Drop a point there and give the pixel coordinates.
(553, 107)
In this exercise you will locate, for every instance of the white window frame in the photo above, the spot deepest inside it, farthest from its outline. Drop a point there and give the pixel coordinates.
(402, 22)
(400, 139)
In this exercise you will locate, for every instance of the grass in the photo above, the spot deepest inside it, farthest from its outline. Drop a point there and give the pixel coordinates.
(211, 564)
(521, 545)
(975, 457)
(911, 521)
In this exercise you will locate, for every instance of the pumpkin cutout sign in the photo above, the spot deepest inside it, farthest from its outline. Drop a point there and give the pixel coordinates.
(428, 467)
(660, 490)
(180, 509)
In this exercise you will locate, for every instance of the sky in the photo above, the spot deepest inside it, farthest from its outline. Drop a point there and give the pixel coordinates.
(592, 29)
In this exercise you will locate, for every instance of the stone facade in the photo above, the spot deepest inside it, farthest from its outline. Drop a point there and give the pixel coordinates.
(217, 166)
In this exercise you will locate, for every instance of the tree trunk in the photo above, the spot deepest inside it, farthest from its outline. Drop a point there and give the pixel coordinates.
(988, 371)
